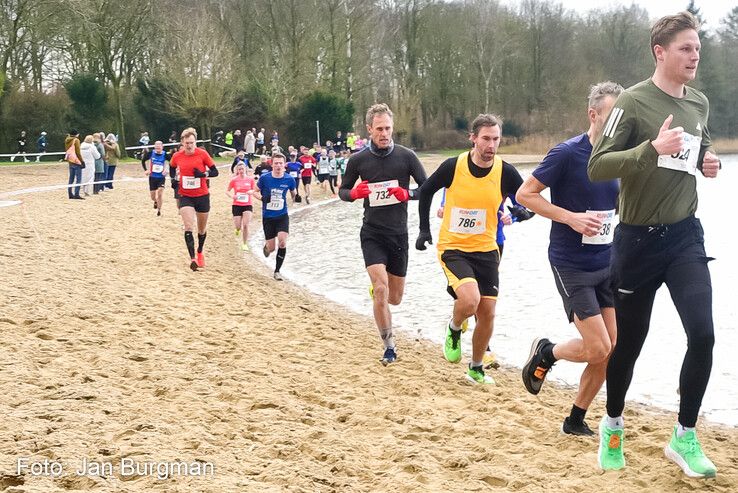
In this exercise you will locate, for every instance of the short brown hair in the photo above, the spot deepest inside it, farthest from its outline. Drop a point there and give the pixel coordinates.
(188, 132)
(377, 109)
(666, 28)
(278, 155)
(485, 120)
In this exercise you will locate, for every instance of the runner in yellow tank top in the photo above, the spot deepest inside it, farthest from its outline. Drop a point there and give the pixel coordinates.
(476, 184)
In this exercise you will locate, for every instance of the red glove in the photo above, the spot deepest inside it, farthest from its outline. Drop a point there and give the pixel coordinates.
(400, 193)
(360, 191)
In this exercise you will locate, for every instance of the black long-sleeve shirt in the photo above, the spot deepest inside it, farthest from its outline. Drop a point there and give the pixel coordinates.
(443, 177)
(400, 165)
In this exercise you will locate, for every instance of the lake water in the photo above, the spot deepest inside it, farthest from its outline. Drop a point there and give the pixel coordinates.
(529, 305)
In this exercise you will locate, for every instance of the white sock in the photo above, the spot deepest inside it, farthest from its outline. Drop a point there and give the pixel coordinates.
(388, 338)
(474, 364)
(681, 430)
(453, 325)
(616, 423)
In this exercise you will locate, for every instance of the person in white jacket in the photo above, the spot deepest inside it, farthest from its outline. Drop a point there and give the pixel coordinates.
(89, 154)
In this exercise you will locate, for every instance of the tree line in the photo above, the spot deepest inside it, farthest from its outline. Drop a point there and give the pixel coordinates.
(159, 65)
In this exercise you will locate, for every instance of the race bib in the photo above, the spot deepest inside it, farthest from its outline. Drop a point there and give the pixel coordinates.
(604, 237)
(686, 159)
(157, 168)
(293, 174)
(190, 182)
(380, 195)
(468, 221)
(242, 197)
(276, 203)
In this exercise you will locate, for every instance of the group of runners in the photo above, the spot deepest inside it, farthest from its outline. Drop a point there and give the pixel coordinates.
(638, 159)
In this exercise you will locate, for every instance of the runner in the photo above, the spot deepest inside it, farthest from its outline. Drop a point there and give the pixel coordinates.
(21, 147)
(241, 189)
(308, 168)
(41, 145)
(174, 175)
(194, 166)
(332, 171)
(156, 168)
(264, 167)
(476, 183)
(384, 169)
(517, 213)
(273, 189)
(655, 141)
(323, 169)
(582, 215)
(293, 169)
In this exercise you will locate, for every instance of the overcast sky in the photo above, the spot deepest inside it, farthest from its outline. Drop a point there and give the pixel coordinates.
(712, 10)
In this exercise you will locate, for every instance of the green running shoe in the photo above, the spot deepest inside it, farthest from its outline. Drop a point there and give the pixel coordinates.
(452, 347)
(610, 456)
(687, 453)
(476, 376)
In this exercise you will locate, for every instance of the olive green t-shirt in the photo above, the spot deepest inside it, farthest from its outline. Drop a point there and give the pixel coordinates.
(653, 189)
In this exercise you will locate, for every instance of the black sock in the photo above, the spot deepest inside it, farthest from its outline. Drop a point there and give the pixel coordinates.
(201, 241)
(190, 241)
(577, 414)
(548, 354)
(281, 253)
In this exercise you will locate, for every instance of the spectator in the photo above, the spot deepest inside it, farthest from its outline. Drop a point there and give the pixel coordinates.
(89, 155)
(72, 156)
(112, 157)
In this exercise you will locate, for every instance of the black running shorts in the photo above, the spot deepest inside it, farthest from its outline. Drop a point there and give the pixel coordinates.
(201, 203)
(584, 293)
(156, 183)
(238, 210)
(273, 225)
(391, 250)
(480, 267)
(307, 180)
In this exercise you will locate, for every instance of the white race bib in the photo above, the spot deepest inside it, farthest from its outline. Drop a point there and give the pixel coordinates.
(190, 182)
(604, 237)
(242, 197)
(276, 203)
(468, 221)
(686, 159)
(157, 168)
(293, 174)
(380, 195)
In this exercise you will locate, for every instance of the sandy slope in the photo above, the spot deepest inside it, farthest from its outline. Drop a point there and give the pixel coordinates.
(112, 347)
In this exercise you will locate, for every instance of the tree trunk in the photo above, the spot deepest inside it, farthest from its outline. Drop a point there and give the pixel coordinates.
(119, 118)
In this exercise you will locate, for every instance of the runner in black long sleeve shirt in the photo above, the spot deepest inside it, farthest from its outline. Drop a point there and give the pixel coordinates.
(384, 170)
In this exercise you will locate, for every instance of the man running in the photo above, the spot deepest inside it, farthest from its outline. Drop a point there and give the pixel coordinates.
(582, 215)
(273, 188)
(293, 169)
(195, 166)
(308, 169)
(156, 168)
(476, 184)
(655, 141)
(384, 170)
(241, 189)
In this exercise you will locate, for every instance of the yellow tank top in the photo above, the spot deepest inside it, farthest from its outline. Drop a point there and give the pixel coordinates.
(470, 213)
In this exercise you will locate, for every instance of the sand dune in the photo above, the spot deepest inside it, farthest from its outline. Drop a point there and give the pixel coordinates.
(112, 348)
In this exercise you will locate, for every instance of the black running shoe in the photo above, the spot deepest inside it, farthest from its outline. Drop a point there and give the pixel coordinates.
(534, 371)
(578, 429)
(193, 265)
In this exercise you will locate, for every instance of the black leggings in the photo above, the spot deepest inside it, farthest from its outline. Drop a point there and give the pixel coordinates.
(641, 261)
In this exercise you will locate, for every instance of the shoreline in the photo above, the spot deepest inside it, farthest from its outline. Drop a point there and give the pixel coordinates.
(139, 357)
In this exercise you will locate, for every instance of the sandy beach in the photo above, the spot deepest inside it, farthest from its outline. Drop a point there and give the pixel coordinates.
(113, 349)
